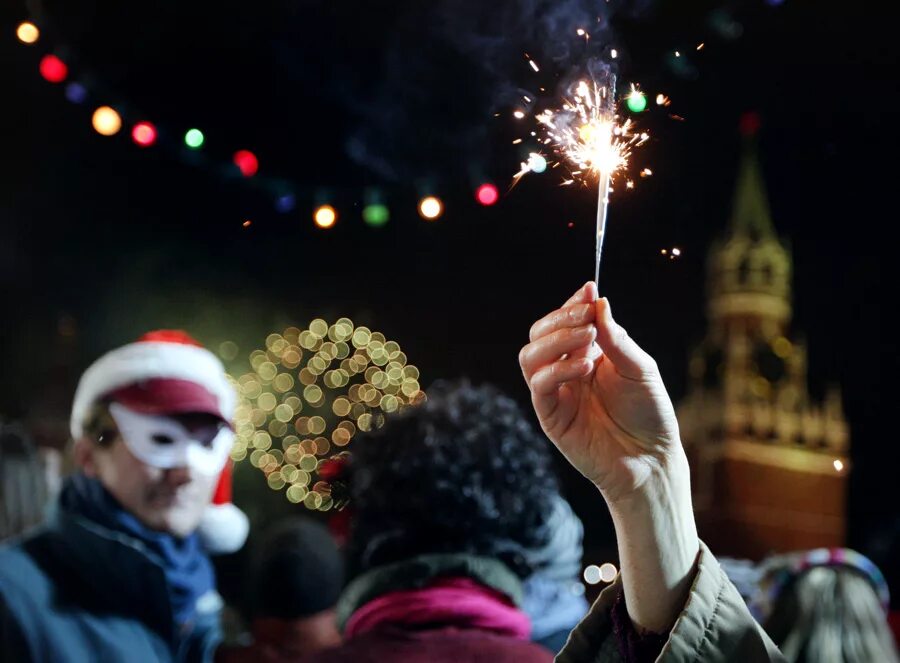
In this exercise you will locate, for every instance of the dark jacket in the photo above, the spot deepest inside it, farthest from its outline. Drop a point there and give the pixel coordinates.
(76, 591)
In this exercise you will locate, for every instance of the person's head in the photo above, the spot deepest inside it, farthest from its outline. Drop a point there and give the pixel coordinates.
(463, 472)
(296, 577)
(831, 612)
(169, 499)
(150, 422)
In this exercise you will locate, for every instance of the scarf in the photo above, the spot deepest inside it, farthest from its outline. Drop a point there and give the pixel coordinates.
(452, 589)
(457, 602)
(188, 571)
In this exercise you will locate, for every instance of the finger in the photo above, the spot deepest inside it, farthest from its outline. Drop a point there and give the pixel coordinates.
(574, 315)
(551, 347)
(585, 294)
(628, 357)
(546, 382)
(591, 351)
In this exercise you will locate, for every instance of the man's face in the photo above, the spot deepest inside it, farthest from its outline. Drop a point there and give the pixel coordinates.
(169, 500)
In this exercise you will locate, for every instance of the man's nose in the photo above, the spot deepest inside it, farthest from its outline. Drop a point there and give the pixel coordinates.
(177, 476)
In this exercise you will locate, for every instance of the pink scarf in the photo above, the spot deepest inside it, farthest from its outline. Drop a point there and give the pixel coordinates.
(458, 602)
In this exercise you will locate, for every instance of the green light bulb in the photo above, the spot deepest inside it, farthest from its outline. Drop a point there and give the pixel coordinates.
(376, 215)
(194, 139)
(636, 101)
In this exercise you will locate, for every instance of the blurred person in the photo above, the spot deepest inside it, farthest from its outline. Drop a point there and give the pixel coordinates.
(296, 578)
(120, 570)
(600, 398)
(448, 496)
(23, 488)
(826, 605)
(553, 594)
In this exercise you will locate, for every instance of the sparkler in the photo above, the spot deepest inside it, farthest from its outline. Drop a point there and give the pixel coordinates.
(586, 133)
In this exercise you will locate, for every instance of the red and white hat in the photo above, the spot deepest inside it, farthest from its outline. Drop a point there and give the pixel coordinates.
(164, 373)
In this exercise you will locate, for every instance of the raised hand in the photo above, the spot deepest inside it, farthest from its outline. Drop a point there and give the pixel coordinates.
(599, 397)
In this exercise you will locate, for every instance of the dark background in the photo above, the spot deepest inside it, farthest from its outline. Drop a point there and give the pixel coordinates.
(101, 240)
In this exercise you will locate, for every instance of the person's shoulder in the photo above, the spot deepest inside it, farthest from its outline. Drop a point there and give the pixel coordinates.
(23, 563)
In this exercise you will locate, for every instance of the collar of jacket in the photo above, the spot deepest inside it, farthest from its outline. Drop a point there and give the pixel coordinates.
(114, 572)
(419, 571)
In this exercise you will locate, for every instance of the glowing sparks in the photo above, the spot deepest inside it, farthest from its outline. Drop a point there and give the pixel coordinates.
(700, 46)
(646, 172)
(838, 465)
(534, 65)
(518, 114)
(586, 132)
(677, 54)
(662, 100)
(580, 32)
(614, 54)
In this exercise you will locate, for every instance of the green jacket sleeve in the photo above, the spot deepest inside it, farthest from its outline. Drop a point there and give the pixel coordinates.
(714, 626)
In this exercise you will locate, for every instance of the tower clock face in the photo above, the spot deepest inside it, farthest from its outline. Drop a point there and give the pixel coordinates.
(768, 364)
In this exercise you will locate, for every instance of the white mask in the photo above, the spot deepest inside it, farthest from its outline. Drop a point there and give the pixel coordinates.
(163, 442)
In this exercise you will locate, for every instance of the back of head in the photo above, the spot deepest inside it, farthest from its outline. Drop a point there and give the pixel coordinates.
(23, 491)
(298, 570)
(463, 472)
(831, 613)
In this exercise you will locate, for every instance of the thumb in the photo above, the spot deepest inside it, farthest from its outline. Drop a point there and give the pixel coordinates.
(627, 356)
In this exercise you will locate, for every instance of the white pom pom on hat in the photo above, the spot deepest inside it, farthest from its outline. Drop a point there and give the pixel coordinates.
(223, 528)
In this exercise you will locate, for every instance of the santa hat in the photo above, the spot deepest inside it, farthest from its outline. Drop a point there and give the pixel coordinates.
(164, 372)
(224, 527)
(167, 372)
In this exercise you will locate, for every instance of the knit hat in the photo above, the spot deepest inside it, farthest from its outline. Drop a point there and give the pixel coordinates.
(162, 374)
(297, 570)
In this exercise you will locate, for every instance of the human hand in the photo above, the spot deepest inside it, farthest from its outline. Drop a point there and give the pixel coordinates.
(599, 397)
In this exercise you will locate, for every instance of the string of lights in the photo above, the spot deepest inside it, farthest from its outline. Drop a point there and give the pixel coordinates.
(111, 121)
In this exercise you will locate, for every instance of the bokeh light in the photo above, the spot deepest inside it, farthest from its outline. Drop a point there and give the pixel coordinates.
(246, 162)
(376, 215)
(325, 216)
(487, 194)
(608, 572)
(53, 69)
(536, 163)
(76, 93)
(636, 101)
(106, 121)
(307, 395)
(431, 208)
(144, 134)
(592, 574)
(28, 32)
(285, 203)
(194, 139)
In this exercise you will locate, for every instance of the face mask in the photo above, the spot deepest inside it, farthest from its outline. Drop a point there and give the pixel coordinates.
(164, 442)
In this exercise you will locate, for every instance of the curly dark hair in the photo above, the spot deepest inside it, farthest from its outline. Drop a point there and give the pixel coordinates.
(464, 472)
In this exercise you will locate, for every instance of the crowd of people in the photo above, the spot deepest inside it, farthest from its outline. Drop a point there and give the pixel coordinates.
(461, 547)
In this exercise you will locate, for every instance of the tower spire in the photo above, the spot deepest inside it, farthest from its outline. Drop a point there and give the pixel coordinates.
(750, 215)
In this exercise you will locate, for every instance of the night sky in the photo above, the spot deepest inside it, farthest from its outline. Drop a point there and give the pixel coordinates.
(101, 240)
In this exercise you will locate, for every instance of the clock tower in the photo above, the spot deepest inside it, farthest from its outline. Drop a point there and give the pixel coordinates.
(769, 464)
